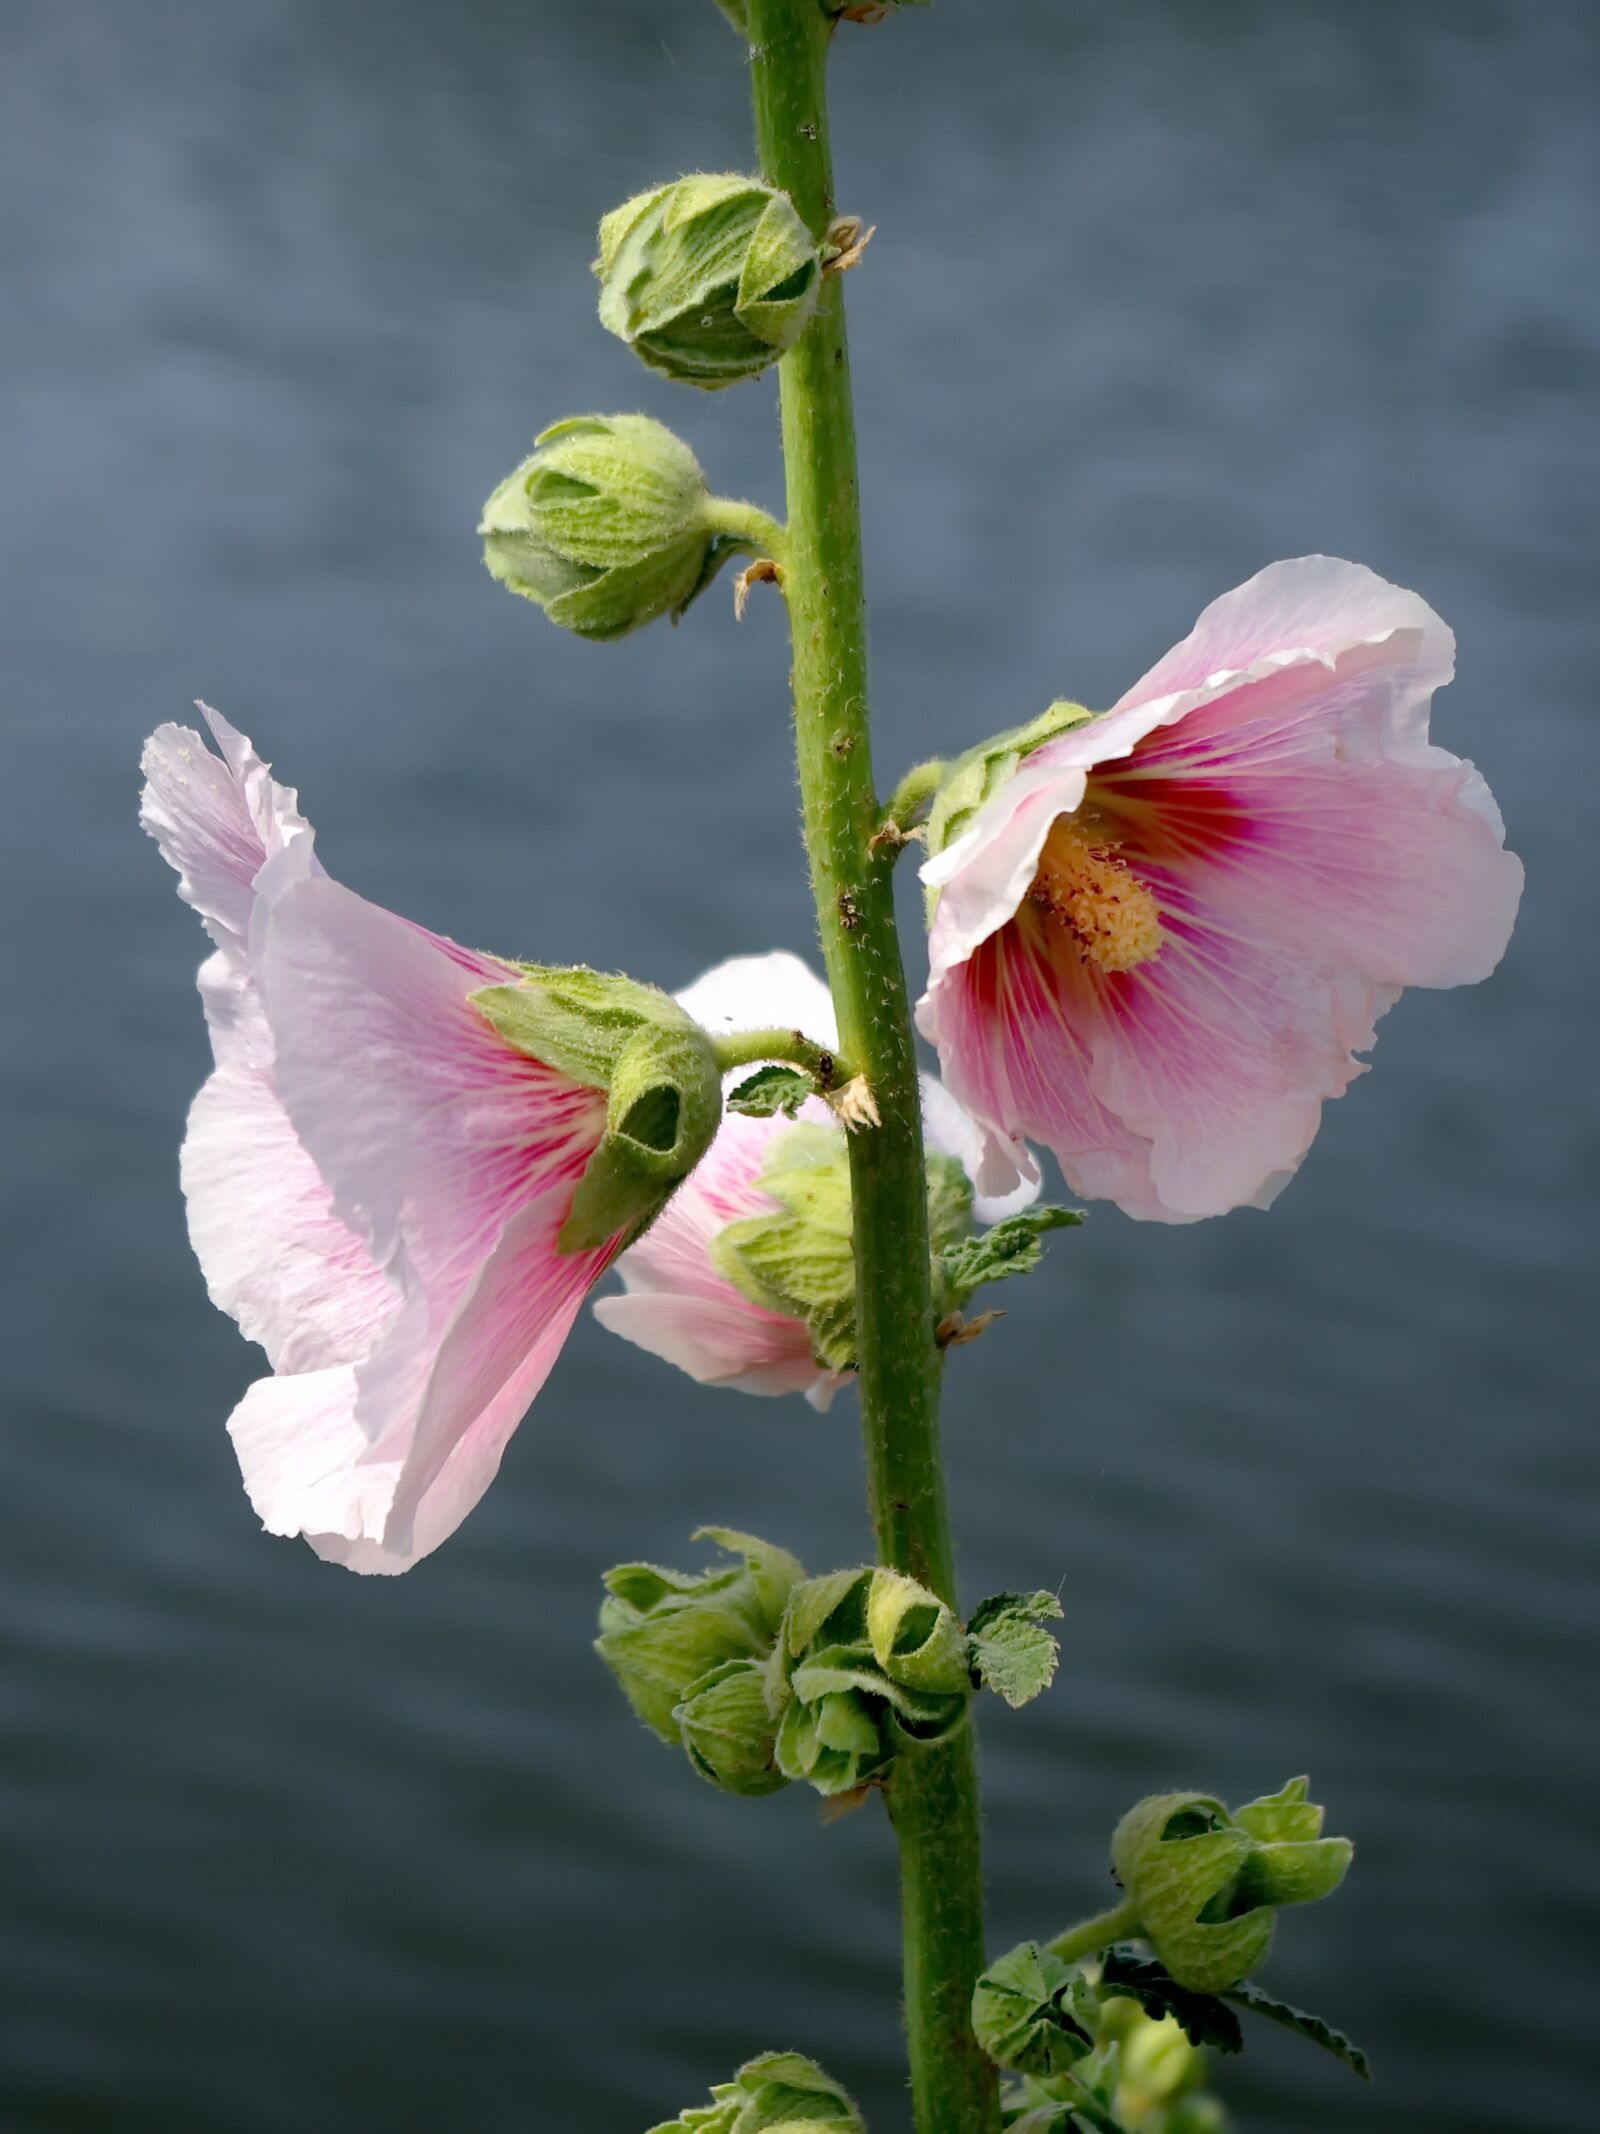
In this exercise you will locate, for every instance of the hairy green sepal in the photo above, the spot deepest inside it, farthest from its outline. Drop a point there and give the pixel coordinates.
(708, 279)
(605, 526)
(799, 1261)
(867, 1663)
(1207, 1884)
(975, 777)
(656, 1065)
(666, 1634)
(778, 2093)
(1034, 2014)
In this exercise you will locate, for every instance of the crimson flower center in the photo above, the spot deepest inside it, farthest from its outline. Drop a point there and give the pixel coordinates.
(1111, 916)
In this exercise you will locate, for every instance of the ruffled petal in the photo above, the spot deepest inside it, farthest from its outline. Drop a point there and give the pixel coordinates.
(217, 821)
(261, 1220)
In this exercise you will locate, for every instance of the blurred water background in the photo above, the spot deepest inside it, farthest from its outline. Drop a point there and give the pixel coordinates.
(1161, 289)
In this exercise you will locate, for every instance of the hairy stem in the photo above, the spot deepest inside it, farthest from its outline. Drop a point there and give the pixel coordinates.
(753, 1048)
(933, 1794)
(1121, 1923)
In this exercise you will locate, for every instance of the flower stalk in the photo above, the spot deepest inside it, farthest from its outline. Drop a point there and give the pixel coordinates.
(933, 1796)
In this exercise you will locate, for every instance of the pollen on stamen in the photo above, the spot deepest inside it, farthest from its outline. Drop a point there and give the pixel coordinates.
(1112, 917)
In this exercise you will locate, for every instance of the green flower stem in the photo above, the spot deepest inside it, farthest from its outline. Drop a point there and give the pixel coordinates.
(933, 1795)
(752, 1048)
(1091, 1935)
(745, 522)
(915, 794)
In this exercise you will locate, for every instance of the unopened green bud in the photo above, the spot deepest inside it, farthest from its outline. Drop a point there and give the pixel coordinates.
(664, 1633)
(777, 2093)
(1158, 2063)
(606, 526)
(730, 1735)
(709, 279)
(1033, 2013)
(1207, 1887)
(867, 1663)
(656, 1065)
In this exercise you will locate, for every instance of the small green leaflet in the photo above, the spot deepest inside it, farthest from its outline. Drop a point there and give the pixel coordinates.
(770, 1090)
(1011, 1247)
(1204, 2018)
(1012, 1653)
(1303, 2025)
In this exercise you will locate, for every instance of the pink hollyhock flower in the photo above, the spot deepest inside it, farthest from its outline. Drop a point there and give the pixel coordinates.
(375, 1177)
(1159, 942)
(676, 1303)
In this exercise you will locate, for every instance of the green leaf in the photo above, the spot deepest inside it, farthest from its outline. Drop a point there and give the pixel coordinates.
(770, 1090)
(1011, 1652)
(1204, 2017)
(1011, 1247)
(1303, 2026)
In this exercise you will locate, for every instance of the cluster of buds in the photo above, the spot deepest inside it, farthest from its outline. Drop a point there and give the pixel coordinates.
(763, 1676)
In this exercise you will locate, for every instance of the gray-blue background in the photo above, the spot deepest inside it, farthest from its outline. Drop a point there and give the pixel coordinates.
(1159, 292)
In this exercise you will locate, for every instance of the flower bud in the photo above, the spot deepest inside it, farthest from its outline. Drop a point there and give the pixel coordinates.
(708, 279)
(777, 2093)
(605, 526)
(843, 1711)
(730, 1735)
(1033, 2013)
(657, 1067)
(1206, 1884)
(664, 1633)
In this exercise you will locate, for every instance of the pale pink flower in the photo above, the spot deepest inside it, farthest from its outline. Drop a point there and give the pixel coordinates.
(1158, 945)
(374, 1177)
(677, 1305)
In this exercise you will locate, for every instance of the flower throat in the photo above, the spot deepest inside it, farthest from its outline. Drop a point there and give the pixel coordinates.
(1113, 919)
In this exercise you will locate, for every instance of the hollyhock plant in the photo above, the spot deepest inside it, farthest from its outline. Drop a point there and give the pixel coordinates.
(381, 1181)
(678, 1302)
(1161, 935)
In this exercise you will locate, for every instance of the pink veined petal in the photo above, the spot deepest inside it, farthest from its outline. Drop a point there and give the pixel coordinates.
(1316, 605)
(1009, 1030)
(217, 821)
(1005, 1176)
(261, 1220)
(429, 1128)
(718, 1343)
(1314, 811)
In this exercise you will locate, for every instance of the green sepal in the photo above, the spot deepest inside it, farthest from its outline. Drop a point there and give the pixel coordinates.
(1035, 2014)
(662, 1632)
(776, 2093)
(974, 777)
(800, 1261)
(1011, 1651)
(770, 1090)
(605, 526)
(867, 1664)
(1206, 1886)
(1011, 1246)
(727, 1731)
(708, 279)
(657, 1067)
